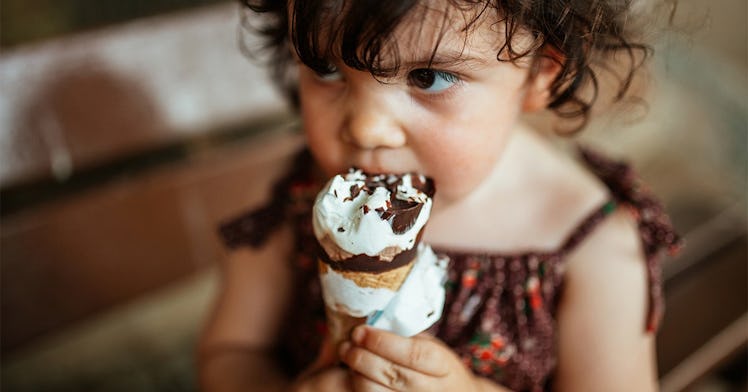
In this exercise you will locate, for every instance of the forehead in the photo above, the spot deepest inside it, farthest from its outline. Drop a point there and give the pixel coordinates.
(438, 28)
(429, 28)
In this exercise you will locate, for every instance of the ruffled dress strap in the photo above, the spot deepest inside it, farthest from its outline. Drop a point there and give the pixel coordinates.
(255, 226)
(655, 229)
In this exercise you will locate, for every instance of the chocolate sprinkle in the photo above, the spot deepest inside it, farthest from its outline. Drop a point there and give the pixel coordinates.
(400, 214)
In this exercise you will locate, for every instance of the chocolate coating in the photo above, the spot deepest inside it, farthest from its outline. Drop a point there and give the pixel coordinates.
(371, 264)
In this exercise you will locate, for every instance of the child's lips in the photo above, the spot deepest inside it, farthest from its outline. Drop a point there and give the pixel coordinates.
(378, 161)
(372, 167)
(375, 169)
(367, 166)
(372, 170)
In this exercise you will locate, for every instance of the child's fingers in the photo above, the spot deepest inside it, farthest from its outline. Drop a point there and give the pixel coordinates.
(330, 379)
(420, 354)
(381, 371)
(362, 384)
(326, 357)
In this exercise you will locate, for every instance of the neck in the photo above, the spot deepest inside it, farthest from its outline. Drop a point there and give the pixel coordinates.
(500, 194)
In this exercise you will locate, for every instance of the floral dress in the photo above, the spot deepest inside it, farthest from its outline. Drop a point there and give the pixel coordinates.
(500, 309)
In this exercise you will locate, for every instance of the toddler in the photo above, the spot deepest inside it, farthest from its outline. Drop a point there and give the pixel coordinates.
(553, 280)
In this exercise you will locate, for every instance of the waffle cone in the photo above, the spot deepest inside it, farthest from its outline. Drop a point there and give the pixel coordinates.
(391, 279)
(339, 326)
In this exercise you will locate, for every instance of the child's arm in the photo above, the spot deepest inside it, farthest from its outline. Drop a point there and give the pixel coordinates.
(603, 345)
(252, 296)
(234, 351)
(235, 347)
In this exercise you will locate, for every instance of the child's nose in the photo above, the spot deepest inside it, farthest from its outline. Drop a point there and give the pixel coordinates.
(368, 126)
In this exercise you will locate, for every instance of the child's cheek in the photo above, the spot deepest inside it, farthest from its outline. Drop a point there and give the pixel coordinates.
(461, 158)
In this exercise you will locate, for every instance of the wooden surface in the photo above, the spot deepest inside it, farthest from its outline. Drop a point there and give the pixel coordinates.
(69, 259)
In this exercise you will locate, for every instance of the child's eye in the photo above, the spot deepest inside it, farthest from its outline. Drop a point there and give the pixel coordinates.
(331, 74)
(432, 81)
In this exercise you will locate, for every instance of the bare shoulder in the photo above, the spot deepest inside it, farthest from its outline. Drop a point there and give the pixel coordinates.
(610, 264)
(602, 313)
(253, 293)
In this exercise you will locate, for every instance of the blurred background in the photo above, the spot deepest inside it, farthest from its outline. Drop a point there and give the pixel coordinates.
(129, 130)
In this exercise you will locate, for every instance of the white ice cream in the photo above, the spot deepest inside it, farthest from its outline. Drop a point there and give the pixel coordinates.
(360, 230)
(415, 307)
(420, 300)
(344, 295)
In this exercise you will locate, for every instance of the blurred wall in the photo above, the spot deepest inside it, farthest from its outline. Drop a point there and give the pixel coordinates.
(88, 98)
(111, 185)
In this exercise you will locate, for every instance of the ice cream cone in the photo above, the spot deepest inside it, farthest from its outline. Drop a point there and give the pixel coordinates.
(369, 229)
(391, 279)
(340, 325)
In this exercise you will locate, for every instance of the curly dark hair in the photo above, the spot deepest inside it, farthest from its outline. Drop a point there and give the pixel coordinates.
(584, 32)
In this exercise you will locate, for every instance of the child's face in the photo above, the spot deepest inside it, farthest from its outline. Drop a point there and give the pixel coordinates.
(449, 122)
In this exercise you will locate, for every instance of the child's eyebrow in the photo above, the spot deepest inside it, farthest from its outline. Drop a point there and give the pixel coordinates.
(445, 59)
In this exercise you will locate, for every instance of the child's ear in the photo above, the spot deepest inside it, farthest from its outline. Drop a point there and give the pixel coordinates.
(545, 68)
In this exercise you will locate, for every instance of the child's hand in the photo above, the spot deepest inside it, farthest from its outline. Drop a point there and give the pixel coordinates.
(383, 361)
(322, 375)
(332, 379)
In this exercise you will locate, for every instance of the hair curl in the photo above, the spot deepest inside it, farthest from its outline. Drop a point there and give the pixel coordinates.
(586, 33)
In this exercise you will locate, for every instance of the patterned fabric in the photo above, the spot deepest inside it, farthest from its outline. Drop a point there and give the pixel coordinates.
(500, 310)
